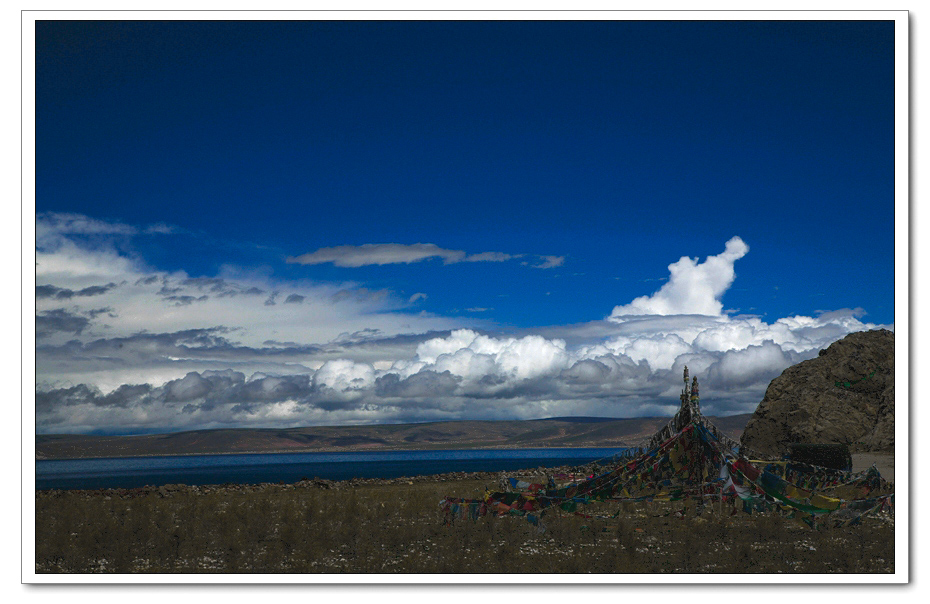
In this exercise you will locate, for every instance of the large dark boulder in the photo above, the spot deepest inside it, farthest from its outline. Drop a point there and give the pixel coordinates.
(845, 395)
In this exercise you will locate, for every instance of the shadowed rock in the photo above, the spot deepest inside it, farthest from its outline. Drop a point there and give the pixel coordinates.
(845, 395)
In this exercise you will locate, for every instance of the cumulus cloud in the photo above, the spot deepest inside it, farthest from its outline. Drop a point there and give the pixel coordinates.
(550, 261)
(165, 351)
(86, 275)
(60, 320)
(62, 293)
(191, 387)
(461, 374)
(214, 286)
(344, 376)
(692, 288)
(77, 277)
(746, 366)
(473, 356)
(186, 300)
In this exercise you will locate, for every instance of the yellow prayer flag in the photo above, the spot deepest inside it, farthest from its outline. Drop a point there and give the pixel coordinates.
(825, 503)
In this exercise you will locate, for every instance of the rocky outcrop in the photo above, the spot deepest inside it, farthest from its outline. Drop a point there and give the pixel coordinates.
(844, 395)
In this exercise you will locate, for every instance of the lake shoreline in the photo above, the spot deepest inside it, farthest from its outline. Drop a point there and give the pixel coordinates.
(85, 474)
(328, 451)
(861, 461)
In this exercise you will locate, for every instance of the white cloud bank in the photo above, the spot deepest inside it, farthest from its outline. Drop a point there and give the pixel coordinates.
(88, 290)
(132, 349)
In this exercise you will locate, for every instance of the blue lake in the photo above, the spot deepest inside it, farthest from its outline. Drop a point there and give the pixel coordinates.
(131, 472)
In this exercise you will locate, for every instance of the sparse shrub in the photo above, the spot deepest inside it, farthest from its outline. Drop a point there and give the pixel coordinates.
(399, 529)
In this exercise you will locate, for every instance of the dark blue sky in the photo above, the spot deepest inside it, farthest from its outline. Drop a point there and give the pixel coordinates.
(620, 146)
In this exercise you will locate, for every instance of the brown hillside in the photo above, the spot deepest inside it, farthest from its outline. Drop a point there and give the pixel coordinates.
(553, 432)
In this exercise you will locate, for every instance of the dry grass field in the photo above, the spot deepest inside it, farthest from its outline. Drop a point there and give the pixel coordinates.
(398, 528)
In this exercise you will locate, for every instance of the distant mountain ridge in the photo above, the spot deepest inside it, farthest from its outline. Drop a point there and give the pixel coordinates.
(540, 433)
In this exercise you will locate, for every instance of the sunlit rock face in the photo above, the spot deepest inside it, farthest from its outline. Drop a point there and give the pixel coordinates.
(844, 395)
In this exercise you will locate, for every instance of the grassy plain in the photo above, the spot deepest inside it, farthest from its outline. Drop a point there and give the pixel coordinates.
(397, 527)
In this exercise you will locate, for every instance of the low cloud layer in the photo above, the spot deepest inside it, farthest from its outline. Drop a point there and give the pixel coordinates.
(131, 349)
(462, 374)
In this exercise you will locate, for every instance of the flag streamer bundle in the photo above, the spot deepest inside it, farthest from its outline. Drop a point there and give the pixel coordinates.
(691, 459)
